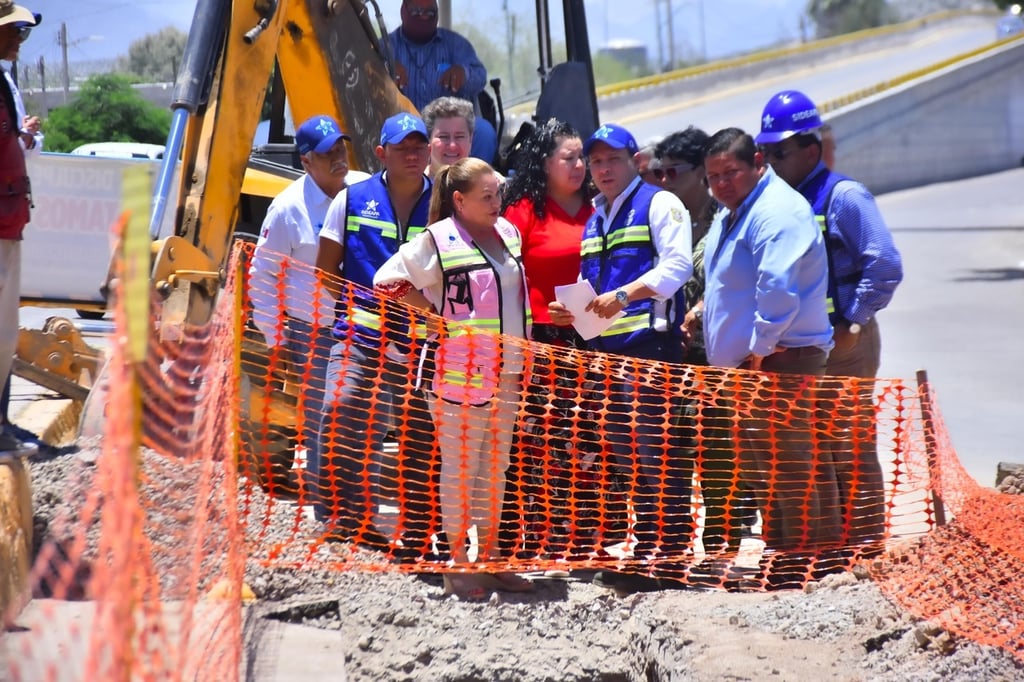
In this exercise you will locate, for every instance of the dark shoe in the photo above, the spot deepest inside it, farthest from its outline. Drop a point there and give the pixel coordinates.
(370, 538)
(720, 573)
(417, 551)
(631, 583)
(10, 444)
(832, 561)
(787, 573)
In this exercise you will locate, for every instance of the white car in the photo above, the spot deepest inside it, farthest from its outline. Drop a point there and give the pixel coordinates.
(121, 150)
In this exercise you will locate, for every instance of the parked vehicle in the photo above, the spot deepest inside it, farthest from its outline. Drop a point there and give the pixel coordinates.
(121, 150)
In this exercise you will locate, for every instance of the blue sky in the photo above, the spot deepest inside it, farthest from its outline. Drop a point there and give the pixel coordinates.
(103, 29)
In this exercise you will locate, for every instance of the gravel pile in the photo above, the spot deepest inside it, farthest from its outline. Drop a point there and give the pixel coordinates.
(398, 626)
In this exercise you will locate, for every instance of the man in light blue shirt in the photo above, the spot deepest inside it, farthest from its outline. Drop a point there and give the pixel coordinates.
(765, 309)
(766, 267)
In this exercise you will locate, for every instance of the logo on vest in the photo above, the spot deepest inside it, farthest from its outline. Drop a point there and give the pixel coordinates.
(370, 209)
(457, 294)
(631, 216)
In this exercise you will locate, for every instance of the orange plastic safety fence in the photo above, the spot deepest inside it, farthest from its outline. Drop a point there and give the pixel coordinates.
(397, 441)
(405, 434)
(139, 576)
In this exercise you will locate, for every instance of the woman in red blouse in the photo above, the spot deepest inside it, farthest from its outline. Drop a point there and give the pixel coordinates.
(546, 198)
(556, 478)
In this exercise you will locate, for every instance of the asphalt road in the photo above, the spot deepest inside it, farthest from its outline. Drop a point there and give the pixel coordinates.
(733, 102)
(959, 313)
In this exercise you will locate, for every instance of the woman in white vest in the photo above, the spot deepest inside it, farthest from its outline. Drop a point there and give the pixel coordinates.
(467, 268)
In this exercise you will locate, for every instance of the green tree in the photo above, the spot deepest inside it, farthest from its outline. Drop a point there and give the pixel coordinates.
(107, 110)
(155, 57)
(835, 17)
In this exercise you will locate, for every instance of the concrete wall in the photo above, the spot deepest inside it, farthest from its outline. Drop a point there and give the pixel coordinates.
(962, 121)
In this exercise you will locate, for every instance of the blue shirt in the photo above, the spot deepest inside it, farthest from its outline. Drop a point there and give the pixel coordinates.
(425, 63)
(767, 277)
(862, 244)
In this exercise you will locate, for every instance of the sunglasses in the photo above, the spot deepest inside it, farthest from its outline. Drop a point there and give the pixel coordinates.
(422, 13)
(776, 153)
(24, 32)
(670, 173)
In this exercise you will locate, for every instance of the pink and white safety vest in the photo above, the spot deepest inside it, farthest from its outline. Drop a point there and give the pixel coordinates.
(469, 358)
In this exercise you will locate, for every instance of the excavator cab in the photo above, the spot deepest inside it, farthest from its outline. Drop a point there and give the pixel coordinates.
(562, 87)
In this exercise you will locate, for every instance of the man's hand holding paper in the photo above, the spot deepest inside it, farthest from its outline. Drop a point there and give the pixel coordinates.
(572, 306)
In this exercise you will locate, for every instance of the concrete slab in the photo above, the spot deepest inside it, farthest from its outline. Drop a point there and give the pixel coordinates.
(51, 640)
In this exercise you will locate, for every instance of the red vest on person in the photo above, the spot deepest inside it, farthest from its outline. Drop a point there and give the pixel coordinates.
(15, 194)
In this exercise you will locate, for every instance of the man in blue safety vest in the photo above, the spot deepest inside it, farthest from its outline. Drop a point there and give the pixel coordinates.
(864, 270)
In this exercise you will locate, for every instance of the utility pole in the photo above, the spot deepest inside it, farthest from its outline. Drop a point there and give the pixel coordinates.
(510, 45)
(42, 87)
(661, 43)
(671, 35)
(62, 40)
(703, 32)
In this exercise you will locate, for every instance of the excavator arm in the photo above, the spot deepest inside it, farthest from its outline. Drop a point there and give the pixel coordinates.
(329, 62)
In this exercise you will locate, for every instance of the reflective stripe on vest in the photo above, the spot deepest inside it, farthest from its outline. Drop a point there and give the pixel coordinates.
(371, 237)
(615, 257)
(469, 359)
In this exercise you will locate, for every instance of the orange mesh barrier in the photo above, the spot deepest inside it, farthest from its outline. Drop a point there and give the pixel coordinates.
(646, 466)
(440, 450)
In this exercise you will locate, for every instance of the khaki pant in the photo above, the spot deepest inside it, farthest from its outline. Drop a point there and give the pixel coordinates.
(784, 461)
(853, 447)
(10, 300)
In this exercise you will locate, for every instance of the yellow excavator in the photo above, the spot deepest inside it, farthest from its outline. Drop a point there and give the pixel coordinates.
(245, 57)
(306, 56)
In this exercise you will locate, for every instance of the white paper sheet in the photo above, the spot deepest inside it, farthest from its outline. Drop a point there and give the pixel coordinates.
(576, 297)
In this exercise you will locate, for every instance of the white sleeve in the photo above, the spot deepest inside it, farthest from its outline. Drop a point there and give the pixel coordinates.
(671, 232)
(334, 221)
(268, 299)
(416, 262)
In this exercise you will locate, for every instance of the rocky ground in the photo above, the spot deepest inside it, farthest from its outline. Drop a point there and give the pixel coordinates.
(397, 626)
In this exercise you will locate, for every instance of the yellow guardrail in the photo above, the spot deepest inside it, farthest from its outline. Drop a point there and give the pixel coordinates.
(890, 83)
(767, 55)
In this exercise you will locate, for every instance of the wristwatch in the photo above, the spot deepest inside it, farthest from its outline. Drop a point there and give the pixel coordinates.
(622, 297)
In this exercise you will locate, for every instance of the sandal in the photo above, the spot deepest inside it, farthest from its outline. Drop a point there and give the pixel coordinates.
(466, 586)
(511, 582)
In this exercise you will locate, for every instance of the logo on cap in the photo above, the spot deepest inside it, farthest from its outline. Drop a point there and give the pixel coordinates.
(767, 121)
(612, 135)
(400, 126)
(325, 127)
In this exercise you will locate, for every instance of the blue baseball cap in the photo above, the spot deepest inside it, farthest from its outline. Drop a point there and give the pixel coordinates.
(614, 136)
(401, 126)
(318, 134)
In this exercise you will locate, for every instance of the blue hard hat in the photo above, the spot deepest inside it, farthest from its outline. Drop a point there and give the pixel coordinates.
(788, 113)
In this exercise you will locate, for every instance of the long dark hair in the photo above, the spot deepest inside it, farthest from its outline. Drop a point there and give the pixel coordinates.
(528, 178)
(458, 177)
